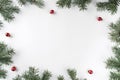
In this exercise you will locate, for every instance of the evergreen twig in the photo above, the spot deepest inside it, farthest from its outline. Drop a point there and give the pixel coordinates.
(7, 9)
(6, 55)
(39, 3)
(72, 73)
(113, 63)
(81, 4)
(111, 6)
(115, 32)
(2, 73)
(33, 74)
(1, 24)
(60, 77)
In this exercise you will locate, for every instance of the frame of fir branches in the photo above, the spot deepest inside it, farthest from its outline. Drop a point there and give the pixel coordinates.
(7, 11)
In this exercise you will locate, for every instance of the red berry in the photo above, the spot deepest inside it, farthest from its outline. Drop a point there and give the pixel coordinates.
(90, 71)
(13, 68)
(99, 19)
(8, 35)
(52, 11)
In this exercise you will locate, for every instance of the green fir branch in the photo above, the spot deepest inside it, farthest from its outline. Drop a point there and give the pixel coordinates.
(72, 73)
(111, 6)
(113, 63)
(1, 24)
(39, 3)
(81, 4)
(2, 73)
(114, 76)
(46, 75)
(17, 78)
(6, 54)
(33, 74)
(64, 3)
(60, 77)
(115, 32)
(8, 9)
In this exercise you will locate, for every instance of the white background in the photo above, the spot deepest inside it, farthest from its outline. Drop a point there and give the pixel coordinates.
(68, 39)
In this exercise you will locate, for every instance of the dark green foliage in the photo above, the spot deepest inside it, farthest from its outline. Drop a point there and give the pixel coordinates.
(46, 75)
(64, 3)
(7, 9)
(81, 4)
(60, 77)
(18, 78)
(2, 73)
(1, 24)
(115, 32)
(72, 73)
(113, 63)
(33, 74)
(6, 54)
(38, 3)
(111, 6)
(114, 76)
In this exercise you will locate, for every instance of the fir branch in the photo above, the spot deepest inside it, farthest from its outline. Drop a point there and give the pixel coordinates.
(39, 3)
(115, 32)
(116, 51)
(18, 78)
(46, 75)
(114, 76)
(60, 77)
(1, 24)
(111, 6)
(64, 3)
(6, 54)
(72, 73)
(113, 63)
(3, 73)
(81, 4)
(33, 74)
(7, 9)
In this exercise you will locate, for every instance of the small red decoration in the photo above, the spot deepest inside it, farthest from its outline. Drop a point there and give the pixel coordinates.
(13, 68)
(52, 12)
(90, 71)
(8, 34)
(100, 19)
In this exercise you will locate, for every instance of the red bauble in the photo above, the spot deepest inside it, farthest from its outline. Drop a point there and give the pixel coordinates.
(52, 12)
(8, 34)
(90, 71)
(13, 68)
(100, 19)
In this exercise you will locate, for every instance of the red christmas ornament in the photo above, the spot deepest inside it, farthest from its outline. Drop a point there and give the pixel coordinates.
(90, 71)
(99, 18)
(52, 12)
(13, 68)
(8, 34)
